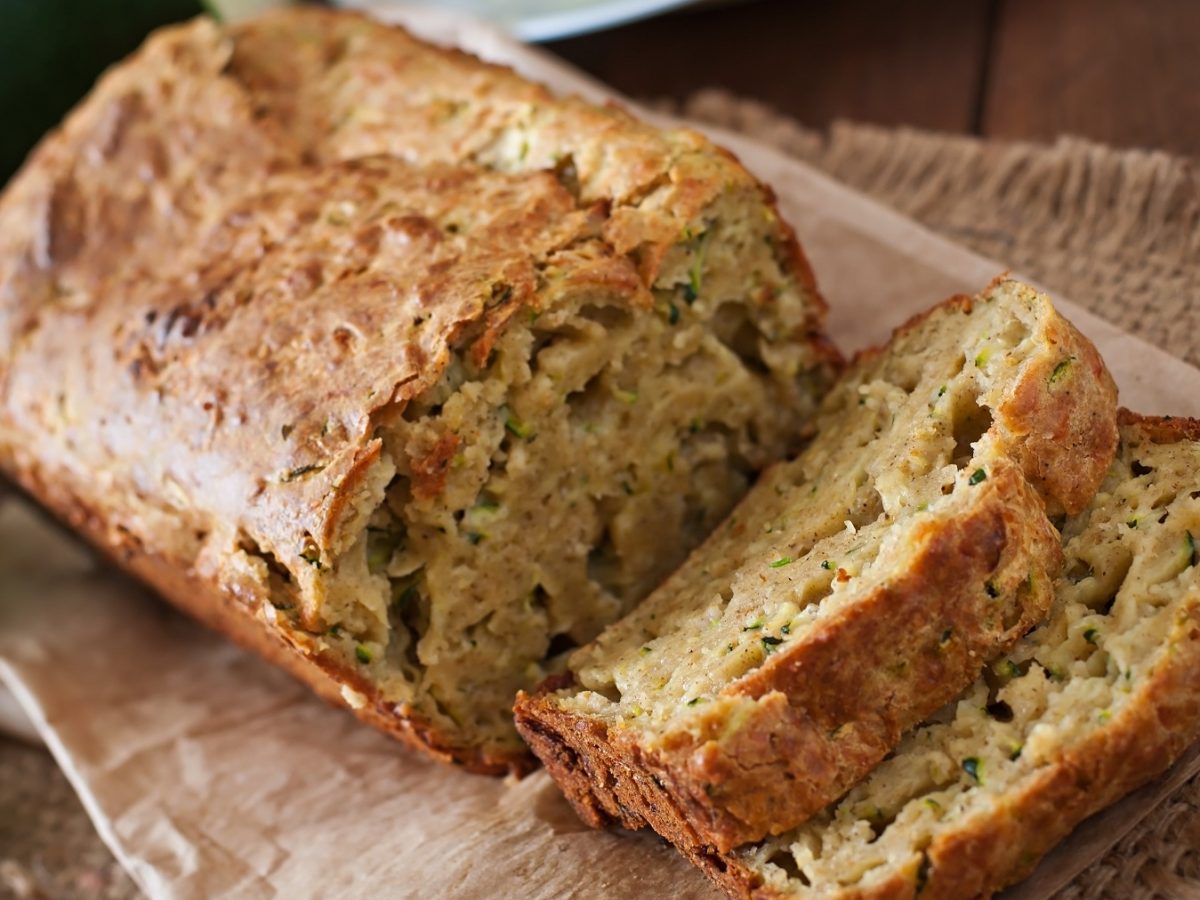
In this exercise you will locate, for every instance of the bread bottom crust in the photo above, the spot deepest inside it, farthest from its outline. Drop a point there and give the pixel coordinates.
(607, 788)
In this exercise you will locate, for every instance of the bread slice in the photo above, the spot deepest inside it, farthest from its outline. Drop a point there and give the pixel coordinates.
(855, 590)
(1094, 703)
(409, 416)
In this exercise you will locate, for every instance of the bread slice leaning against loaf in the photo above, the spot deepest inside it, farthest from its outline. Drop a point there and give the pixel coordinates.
(1095, 702)
(853, 592)
(411, 417)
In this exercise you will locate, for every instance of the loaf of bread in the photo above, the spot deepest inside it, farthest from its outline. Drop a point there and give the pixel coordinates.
(1096, 702)
(855, 590)
(395, 367)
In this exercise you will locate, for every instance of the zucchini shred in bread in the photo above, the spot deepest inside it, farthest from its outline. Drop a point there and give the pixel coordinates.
(407, 416)
(854, 591)
(1097, 701)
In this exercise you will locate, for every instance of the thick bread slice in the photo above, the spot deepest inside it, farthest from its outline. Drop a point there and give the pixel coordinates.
(409, 416)
(1094, 703)
(854, 591)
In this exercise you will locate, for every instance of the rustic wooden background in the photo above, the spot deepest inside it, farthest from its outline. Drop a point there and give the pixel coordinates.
(1124, 72)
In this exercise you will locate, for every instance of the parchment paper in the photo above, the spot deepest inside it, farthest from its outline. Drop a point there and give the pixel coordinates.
(211, 774)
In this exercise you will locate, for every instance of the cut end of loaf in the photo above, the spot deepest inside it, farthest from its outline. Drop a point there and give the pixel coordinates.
(538, 498)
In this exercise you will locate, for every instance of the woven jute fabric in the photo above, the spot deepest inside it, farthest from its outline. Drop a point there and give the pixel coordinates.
(1117, 231)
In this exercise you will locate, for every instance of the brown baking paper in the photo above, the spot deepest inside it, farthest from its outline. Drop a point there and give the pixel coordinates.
(211, 774)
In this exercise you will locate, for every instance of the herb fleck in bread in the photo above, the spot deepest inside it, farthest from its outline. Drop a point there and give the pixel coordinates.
(409, 414)
(1094, 703)
(854, 591)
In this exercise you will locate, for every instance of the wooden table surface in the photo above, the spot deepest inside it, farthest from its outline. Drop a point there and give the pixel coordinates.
(1124, 72)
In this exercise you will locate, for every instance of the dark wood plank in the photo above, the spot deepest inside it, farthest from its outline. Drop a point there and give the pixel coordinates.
(1120, 71)
(886, 61)
(52, 50)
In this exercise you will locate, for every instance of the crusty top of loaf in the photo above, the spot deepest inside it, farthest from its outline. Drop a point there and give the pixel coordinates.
(217, 169)
(344, 87)
(246, 346)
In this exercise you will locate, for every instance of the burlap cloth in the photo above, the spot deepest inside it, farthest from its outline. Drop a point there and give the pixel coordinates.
(1117, 231)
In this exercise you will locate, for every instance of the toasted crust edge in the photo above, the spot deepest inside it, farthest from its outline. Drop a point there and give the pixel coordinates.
(1042, 426)
(790, 251)
(1063, 428)
(702, 782)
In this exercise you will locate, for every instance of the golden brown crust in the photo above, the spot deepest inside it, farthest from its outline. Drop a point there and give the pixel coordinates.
(914, 643)
(343, 86)
(1161, 429)
(237, 335)
(813, 719)
(1056, 413)
(199, 360)
(997, 849)
(1053, 412)
(1002, 845)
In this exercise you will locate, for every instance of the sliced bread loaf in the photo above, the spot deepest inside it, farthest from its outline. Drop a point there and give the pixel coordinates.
(411, 417)
(1097, 701)
(854, 591)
